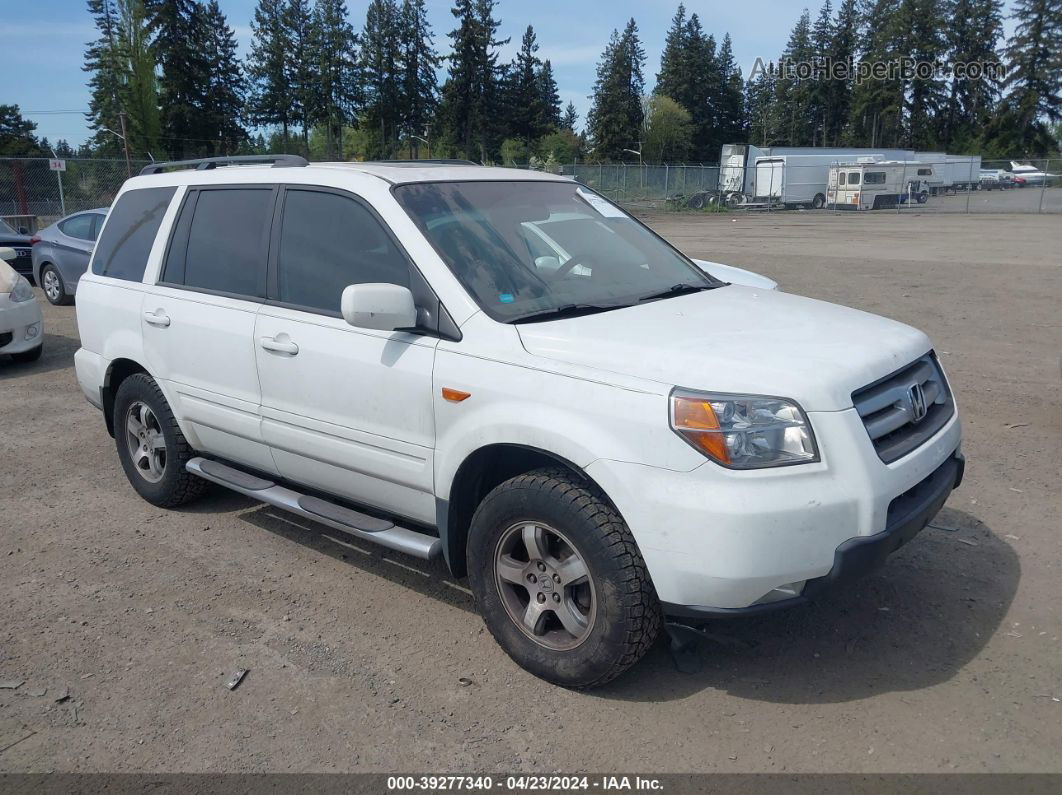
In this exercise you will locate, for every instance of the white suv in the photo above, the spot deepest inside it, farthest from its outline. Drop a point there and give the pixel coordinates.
(504, 368)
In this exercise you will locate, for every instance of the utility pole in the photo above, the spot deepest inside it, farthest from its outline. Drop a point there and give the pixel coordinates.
(125, 142)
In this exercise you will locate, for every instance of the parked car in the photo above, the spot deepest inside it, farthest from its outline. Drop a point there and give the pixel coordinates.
(61, 253)
(21, 323)
(601, 440)
(20, 241)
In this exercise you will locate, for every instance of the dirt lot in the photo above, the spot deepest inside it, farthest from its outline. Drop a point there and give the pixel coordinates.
(947, 659)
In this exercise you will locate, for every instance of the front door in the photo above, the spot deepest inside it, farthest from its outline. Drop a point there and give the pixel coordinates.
(347, 410)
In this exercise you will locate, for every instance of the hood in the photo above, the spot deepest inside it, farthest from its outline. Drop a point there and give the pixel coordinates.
(737, 339)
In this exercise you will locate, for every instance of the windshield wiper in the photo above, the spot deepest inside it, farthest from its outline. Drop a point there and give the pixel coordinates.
(568, 310)
(677, 289)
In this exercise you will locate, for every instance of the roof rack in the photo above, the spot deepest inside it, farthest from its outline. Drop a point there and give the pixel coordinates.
(206, 163)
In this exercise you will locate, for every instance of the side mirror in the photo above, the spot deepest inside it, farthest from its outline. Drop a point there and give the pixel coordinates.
(23, 230)
(384, 307)
(8, 254)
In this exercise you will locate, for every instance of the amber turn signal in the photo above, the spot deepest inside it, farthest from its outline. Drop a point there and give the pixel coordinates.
(696, 422)
(455, 395)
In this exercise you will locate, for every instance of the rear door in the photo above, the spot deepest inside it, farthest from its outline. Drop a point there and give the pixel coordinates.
(73, 246)
(198, 319)
(347, 410)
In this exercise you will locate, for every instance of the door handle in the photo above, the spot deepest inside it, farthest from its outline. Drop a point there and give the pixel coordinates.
(157, 318)
(280, 346)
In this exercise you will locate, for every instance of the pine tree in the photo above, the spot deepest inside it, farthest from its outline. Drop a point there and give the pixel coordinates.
(298, 32)
(924, 42)
(470, 94)
(974, 29)
(673, 78)
(550, 99)
(139, 96)
(522, 99)
(380, 66)
(420, 96)
(821, 88)
(876, 114)
(570, 117)
(731, 123)
(690, 75)
(615, 119)
(103, 61)
(793, 93)
(270, 99)
(761, 107)
(1034, 81)
(337, 77)
(225, 88)
(180, 46)
(842, 52)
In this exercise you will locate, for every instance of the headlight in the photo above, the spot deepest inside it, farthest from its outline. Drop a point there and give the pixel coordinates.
(743, 431)
(22, 291)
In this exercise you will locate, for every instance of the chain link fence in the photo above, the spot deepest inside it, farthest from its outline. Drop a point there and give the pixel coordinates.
(32, 195)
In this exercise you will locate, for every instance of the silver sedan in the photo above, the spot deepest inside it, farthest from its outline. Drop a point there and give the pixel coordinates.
(61, 253)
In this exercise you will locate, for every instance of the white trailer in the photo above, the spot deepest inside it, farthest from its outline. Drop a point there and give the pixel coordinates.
(789, 176)
(951, 172)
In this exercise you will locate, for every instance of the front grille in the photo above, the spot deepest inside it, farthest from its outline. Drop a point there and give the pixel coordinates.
(890, 412)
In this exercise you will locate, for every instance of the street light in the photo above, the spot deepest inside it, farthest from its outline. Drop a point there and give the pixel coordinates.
(125, 142)
(426, 142)
(636, 152)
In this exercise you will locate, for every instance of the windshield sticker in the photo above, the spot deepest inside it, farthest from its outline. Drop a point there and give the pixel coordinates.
(604, 208)
(506, 298)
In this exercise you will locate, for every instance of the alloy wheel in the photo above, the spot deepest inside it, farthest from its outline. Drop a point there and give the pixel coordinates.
(147, 445)
(545, 585)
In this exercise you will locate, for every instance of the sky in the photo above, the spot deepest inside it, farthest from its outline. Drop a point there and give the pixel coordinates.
(45, 42)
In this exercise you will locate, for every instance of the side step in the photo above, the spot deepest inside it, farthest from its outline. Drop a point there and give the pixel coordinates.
(355, 523)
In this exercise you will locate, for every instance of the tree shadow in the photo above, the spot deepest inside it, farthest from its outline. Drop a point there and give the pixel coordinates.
(913, 624)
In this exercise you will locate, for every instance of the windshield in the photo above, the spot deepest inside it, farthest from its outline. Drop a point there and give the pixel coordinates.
(527, 249)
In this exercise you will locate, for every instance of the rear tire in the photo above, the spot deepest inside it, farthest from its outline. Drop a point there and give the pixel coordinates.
(53, 286)
(818, 202)
(599, 612)
(151, 447)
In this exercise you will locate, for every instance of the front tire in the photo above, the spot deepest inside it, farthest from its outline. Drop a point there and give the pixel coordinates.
(559, 580)
(151, 447)
(53, 286)
(818, 202)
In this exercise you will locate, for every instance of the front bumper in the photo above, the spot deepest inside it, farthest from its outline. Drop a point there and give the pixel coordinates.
(732, 540)
(21, 326)
(857, 557)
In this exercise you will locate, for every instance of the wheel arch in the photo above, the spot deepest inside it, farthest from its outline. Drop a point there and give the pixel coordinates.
(117, 371)
(481, 471)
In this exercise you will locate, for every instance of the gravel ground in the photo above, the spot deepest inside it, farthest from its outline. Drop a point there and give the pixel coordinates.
(124, 622)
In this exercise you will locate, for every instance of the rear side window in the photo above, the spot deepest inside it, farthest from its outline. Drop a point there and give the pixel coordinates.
(327, 242)
(80, 226)
(874, 178)
(842, 176)
(220, 244)
(925, 172)
(124, 246)
(853, 178)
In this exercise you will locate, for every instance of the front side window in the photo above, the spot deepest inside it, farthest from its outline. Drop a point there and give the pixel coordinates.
(525, 249)
(125, 244)
(226, 243)
(874, 178)
(853, 178)
(80, 226)
(328, 242)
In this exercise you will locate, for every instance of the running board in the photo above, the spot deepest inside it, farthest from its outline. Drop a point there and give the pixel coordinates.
(354, 523)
